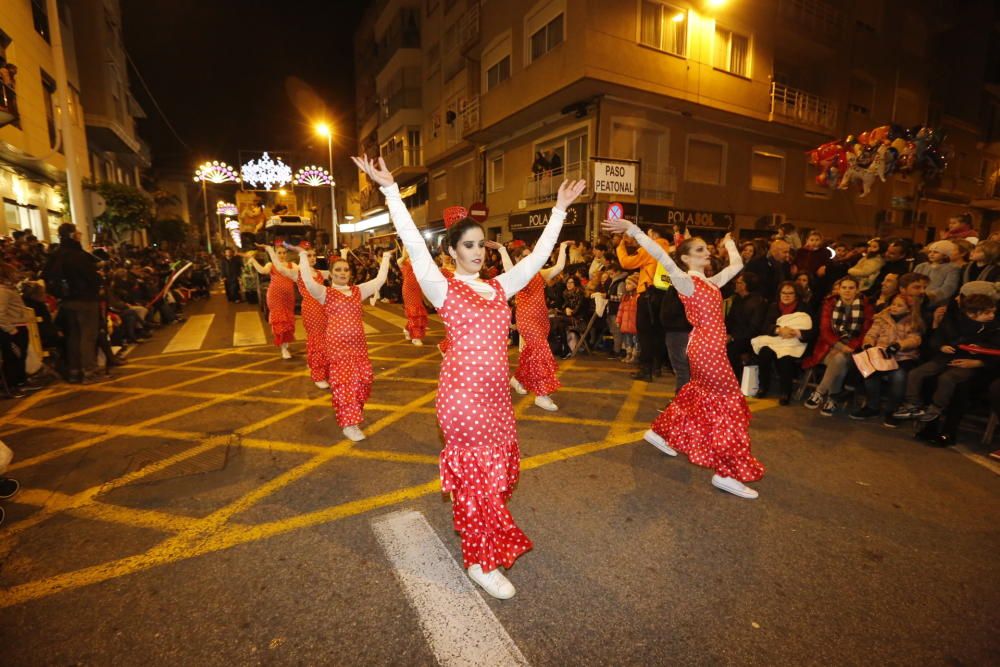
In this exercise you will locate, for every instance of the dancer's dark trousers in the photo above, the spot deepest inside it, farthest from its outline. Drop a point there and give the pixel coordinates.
(652, 348)
(81, 319)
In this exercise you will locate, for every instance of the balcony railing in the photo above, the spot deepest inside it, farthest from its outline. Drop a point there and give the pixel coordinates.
(408, 98)
(544, 186)
(8, 105)
(468, 28)
(468, 116)
(410, 156)
(658, 183)
(816, 15)
(802, 107)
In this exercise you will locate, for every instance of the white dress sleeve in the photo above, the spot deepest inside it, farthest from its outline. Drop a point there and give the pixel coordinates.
(681, 281)
(513, 281)
(375, 284)
(735, 266)
(431, 280)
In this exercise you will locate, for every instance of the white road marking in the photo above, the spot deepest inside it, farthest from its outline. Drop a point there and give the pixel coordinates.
(191, 335)
(459, 626)
(984, 461)
(249, 330)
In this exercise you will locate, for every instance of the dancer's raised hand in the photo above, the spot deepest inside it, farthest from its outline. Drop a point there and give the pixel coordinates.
(617, 226)
(493, 245)
(568, 192)
(377, 172)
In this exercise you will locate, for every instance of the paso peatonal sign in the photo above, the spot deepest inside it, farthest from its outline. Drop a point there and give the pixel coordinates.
(614, 178)
(575, 215)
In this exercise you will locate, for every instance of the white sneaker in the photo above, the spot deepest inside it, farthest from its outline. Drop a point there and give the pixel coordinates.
(353, 433)
(655, 440)
(417, 342)
(492, 582)
(546, 403)
(285, 352)
(733, 486)
(406, 332)
(517, 386)
(322, 384)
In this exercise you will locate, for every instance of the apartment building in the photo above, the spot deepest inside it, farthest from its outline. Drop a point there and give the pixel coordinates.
(32, 160)
(717, 102)
(116, 152)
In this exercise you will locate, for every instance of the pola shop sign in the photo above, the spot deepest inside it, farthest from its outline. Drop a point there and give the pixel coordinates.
(575, 215)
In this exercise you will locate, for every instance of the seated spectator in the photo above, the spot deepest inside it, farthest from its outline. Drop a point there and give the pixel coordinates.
(963, 348)
(845, 319)
(744, 320)
(13, 338)
(843, 258)
(887, 292)
(772, 269)
(748, 251)
(896, 333)
(867, 269)
(808, 290)
(960, 256)
(960, 227)
(897, 261)
(944, 276)
(785, 333)
(983, 263)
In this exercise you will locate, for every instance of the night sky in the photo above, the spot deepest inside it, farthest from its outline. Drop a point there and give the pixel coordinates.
(242, 74)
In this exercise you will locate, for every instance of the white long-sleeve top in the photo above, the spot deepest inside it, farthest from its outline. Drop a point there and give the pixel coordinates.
(432, 281)
(368, 288)
(680, 280)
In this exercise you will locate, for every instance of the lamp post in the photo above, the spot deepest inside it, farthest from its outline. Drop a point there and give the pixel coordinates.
(214, 172)
(323, 130)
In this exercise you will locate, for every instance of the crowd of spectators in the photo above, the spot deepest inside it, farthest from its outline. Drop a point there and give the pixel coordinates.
(85, 306)
(801, 311)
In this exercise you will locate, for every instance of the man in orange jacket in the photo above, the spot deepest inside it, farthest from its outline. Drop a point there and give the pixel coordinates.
(652, 346)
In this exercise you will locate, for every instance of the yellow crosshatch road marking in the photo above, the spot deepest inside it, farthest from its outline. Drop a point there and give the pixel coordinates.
(188, 537)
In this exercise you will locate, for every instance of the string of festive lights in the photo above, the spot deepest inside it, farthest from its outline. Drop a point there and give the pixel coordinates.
(216, 172)
(266, 172)
(313, 176)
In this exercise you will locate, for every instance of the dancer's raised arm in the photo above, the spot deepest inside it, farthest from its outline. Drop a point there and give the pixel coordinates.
(375, 284)
(432, 282)
(681, 280)
(514, 280)
(317, 291)
(291, 274)
(504, 256)
(262, 269)
(735, 263)
(557, 268)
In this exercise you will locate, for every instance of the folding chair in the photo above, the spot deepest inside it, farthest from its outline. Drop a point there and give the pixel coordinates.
(600, 305)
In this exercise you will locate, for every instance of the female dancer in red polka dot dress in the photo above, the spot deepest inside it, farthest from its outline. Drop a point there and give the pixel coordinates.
(709, 419)
(280, 301)
(536, 367)
(350, 371)
(413, 303)
(481, 458)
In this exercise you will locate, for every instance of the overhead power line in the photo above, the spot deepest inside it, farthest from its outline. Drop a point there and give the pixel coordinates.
(155, 103)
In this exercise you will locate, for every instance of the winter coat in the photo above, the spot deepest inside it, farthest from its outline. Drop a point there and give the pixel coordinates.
(866, 271)
(886, 330)
(827, 337)
(627, 314)
(944, 281)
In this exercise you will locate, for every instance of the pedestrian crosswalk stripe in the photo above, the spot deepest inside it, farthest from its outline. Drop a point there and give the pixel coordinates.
(386, 316)
(191, 336)
(249, 330)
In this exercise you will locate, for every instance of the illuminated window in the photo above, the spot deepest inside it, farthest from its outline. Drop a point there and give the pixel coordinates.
(732, 52)
(663, 27)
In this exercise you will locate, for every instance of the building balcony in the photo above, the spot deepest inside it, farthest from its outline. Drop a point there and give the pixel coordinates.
(802, 108)
(988, 196)
(408, 98)
(8, 105)
(543, 187)
(658, 183)
(468, 116)
(406, 163)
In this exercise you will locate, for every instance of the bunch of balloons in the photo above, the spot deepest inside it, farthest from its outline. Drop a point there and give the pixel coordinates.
(879, 153)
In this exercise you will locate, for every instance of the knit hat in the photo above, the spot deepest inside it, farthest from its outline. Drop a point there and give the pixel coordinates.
(944, 247)
(980, 287)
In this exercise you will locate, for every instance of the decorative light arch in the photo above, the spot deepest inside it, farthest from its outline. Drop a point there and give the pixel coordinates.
(216, 172)
(313, 176)
(266, 172)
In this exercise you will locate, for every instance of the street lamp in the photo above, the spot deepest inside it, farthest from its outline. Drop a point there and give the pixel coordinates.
(323, 130)
(212, 172)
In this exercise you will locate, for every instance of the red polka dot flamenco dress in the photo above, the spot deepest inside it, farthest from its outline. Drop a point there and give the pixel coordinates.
(281, 307)
(314, 321)
(481, 459)
(413, 303)
(536, 367)
(709, 419)
(350, 370)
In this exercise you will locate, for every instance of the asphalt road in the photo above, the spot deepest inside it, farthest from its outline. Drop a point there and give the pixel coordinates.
(202, 508)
